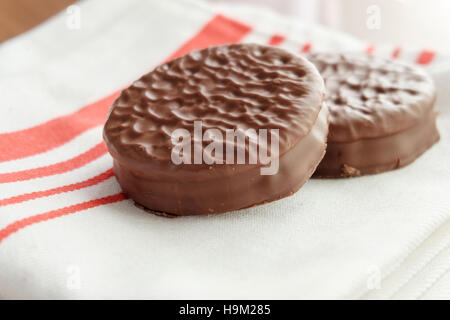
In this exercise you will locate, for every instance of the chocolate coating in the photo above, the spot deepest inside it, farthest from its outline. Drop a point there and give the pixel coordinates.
(381, 113)
(240, 87)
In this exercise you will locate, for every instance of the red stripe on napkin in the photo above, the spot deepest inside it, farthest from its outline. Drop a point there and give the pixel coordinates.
(306, 47)
(396, 52)
(16, 226)
(220, 30)
(67, 188)
(276, 39)
(60, 167)
(425, 57)
(54, 133)
(370, 49)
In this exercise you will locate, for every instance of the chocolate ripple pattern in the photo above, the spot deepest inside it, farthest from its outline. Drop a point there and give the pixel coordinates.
(236, 87)
(369, 96)
(382, 113)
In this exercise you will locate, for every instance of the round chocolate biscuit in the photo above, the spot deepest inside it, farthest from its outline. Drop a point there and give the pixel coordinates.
(236, 88)
(381, 113)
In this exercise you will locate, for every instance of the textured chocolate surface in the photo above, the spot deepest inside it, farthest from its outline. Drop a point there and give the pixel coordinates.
(245, 86)
(241, 86)
(369, 97)
(381, 113)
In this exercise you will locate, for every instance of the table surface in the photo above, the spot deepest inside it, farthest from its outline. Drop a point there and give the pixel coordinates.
(17, 16)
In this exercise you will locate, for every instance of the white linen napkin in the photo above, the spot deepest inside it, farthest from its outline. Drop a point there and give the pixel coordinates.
(67, 232)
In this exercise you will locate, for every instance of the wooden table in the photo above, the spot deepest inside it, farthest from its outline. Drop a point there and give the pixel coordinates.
(17, 16)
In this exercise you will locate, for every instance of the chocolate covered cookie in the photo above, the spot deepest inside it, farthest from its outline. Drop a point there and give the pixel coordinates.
(381, 113)
(218, 129)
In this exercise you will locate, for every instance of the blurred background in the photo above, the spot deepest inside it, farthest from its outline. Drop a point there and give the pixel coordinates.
(402, 22)
(412, 22)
